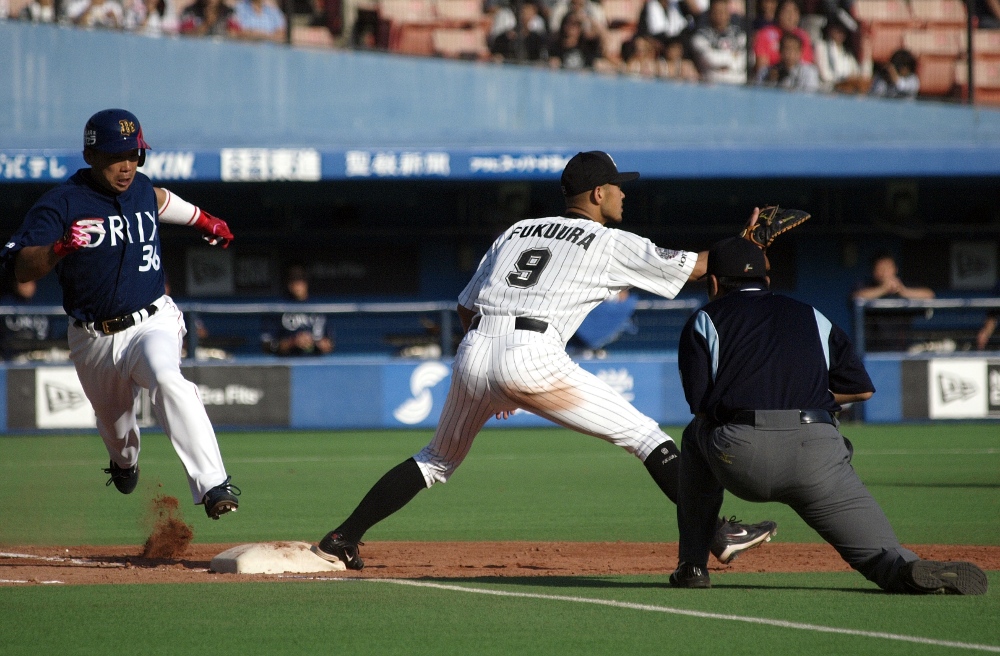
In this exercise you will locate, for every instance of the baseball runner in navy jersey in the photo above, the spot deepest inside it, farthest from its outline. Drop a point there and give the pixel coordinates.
(99, 231)
(765, 376)
(530, 293)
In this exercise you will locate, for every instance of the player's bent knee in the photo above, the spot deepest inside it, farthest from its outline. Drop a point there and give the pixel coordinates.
(434, 470)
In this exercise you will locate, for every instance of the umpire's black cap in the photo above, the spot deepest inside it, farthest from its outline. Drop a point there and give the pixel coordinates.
(736, 257)
(114, 131)
(585, 171)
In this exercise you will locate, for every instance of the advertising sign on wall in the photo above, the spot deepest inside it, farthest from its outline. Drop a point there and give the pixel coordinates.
(957, 388)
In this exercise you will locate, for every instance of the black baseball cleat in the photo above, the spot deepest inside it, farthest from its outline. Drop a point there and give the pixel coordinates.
(690, 576)
(733, 538)
(335, 548)
(124, 479)
(938, 577)
(221, 499)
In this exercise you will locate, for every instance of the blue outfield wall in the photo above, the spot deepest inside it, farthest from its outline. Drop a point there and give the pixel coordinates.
(344, 393)
(405, 393)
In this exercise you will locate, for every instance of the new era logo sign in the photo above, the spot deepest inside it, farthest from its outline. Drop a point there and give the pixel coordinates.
(60, 398)
(954, 388)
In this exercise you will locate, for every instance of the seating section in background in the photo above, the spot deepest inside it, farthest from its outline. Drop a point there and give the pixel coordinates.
(939, 13)
(986, 72)
(460, 43)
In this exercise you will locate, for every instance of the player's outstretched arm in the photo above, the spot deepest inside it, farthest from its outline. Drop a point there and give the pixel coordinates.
(33, 262)
(176, 210)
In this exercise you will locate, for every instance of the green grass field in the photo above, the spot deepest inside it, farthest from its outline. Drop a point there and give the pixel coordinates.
(937, 484)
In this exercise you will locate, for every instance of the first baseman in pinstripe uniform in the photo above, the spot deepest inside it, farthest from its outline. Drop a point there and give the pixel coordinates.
(531, 291)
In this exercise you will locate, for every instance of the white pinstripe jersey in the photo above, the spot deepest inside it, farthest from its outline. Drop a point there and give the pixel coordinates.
(558, 269)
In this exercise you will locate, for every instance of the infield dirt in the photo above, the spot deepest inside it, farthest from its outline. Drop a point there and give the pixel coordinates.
(127, 564)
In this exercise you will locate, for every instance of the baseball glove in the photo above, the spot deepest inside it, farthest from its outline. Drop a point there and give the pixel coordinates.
(771, 222)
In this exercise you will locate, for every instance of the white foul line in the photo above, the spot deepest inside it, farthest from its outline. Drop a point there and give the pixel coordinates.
(676, 611)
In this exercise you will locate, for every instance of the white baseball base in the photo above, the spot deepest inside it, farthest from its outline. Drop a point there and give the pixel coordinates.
(271, 558)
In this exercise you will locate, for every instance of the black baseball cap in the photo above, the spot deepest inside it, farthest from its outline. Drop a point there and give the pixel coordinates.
(736, 257)
(585, 171)
(114, 131)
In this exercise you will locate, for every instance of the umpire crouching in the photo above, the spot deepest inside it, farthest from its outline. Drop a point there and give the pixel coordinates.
(765, 375)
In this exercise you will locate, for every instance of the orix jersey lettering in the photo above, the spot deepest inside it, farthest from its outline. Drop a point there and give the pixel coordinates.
(558, 269)
(120, 271)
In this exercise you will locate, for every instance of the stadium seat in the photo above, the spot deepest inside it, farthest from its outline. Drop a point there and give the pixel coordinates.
(413, 39)
(622, 13)
(939, 12)
(874, 12)
(987, 79)
(312, 37)
(460, 43)
(986, 42)
(937, 74)
(406, 11)
(884, 40)
(935, 41)
(458, 13)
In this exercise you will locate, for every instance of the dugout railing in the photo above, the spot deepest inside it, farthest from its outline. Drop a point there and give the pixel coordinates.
(940, 325)
(658, 321)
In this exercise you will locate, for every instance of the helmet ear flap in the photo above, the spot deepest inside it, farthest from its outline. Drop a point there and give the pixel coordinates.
(142, 156)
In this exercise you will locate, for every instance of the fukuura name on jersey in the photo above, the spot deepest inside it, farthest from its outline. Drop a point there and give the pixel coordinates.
(557, 231)
(141, 228)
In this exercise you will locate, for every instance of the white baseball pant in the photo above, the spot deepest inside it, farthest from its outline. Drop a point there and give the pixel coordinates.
(501, 369)
(113, 368)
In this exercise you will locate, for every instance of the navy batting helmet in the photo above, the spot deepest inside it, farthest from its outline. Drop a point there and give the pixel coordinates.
(115, 131)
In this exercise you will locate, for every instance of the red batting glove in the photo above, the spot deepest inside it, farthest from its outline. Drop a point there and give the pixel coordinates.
(214, 230)
(78, 236)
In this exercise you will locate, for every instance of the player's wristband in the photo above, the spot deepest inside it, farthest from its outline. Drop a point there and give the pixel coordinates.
(178, 211)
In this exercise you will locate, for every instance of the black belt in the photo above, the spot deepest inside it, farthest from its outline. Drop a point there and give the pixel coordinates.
(749, 417)
(520, 323)
(118, 324)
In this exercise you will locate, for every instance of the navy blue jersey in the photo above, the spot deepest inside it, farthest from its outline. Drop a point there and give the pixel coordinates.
(119, 272)
(754, 350)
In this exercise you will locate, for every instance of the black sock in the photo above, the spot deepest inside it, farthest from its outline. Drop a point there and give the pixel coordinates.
(393, 491)
(664, 464)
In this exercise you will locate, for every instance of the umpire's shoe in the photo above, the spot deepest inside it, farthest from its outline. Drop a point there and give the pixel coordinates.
(335, 548)
(937, 577)
(690, 576)
(733, 538)
(124, 479)
(221, 499)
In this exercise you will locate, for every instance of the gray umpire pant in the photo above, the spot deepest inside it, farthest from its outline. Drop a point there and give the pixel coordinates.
(805, 466)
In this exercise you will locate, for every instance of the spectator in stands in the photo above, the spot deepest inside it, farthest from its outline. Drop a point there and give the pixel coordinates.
(791, 72)
(662, 19)
(897, 78)
(988, 14)
(95, 13)
(575, 47)
(526, 40)
(590, 12)
(720, 47)
(888, 330)
(206, 18)
(258, 20)
(24, 336)
(150, 17)
(838, 67)
(645, 58)
(767, 42)
(298, 333)
(676, 64)
(767, 12)
(39, 11)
